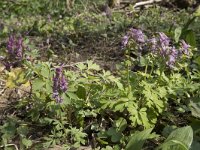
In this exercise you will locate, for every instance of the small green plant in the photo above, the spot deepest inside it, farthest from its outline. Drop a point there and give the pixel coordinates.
(151, 100)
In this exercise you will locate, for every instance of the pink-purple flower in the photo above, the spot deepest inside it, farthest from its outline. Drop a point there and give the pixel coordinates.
(153, 43)
(14, 52)
(125, 40)
(59, 84)
(160, 45)
(137, 35)
(185, 47)
(172, 57)
(167, 51)
(164, 40)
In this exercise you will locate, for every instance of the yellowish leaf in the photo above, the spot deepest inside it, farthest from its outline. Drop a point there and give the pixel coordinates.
(16, 78)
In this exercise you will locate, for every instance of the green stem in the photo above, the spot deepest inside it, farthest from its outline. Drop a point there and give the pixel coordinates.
(146, 67)
(161, 71)
(151, 70)
(128, 70)
(128, 76)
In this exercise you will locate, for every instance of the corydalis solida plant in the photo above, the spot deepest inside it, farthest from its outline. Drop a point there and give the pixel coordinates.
(161, 46)
(59, 84)
(168, 51)
(14, 52)
(136, 34)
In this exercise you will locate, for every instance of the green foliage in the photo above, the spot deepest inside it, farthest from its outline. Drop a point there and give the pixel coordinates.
(195, 106)
(12, 128)
(137, 140)
(179, 139)
(141, 103)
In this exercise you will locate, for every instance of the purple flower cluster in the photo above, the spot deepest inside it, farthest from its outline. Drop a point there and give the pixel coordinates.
(184, 47)
(14, 52)
(159, 45)
(59, 85)
(136, 34)
(125, 40)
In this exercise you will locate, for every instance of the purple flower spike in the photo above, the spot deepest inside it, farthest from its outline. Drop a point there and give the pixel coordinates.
(58, 72)
(59, 85)
(55, 84)
(164, 51)
(63, 84)
(164, 44)
(125, 41)
(137, 35)
(10, 45)
(7, 65)
(171, 61)
(172, 57)
(14, 52)
(185, 47)
(57, 97)
(164, 40)
(19, 48)
(153, 42)
(173, 51)
(160, 45)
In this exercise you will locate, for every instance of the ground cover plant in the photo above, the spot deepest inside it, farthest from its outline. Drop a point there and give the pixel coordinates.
(75, 77)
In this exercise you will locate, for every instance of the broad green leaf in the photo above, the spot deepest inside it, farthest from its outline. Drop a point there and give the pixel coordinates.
(81, 92)
(179, 139)
(195, 124)
(191, 38)
(195, 107)
(111, 131)
(167, 130)
(137, 140)
(115, 136)
(9, 128)
(177, 33)
(195, 145)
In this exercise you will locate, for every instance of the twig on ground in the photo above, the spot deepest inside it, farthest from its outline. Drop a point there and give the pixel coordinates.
(139, 4)
(146, 3)
(8, 145)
